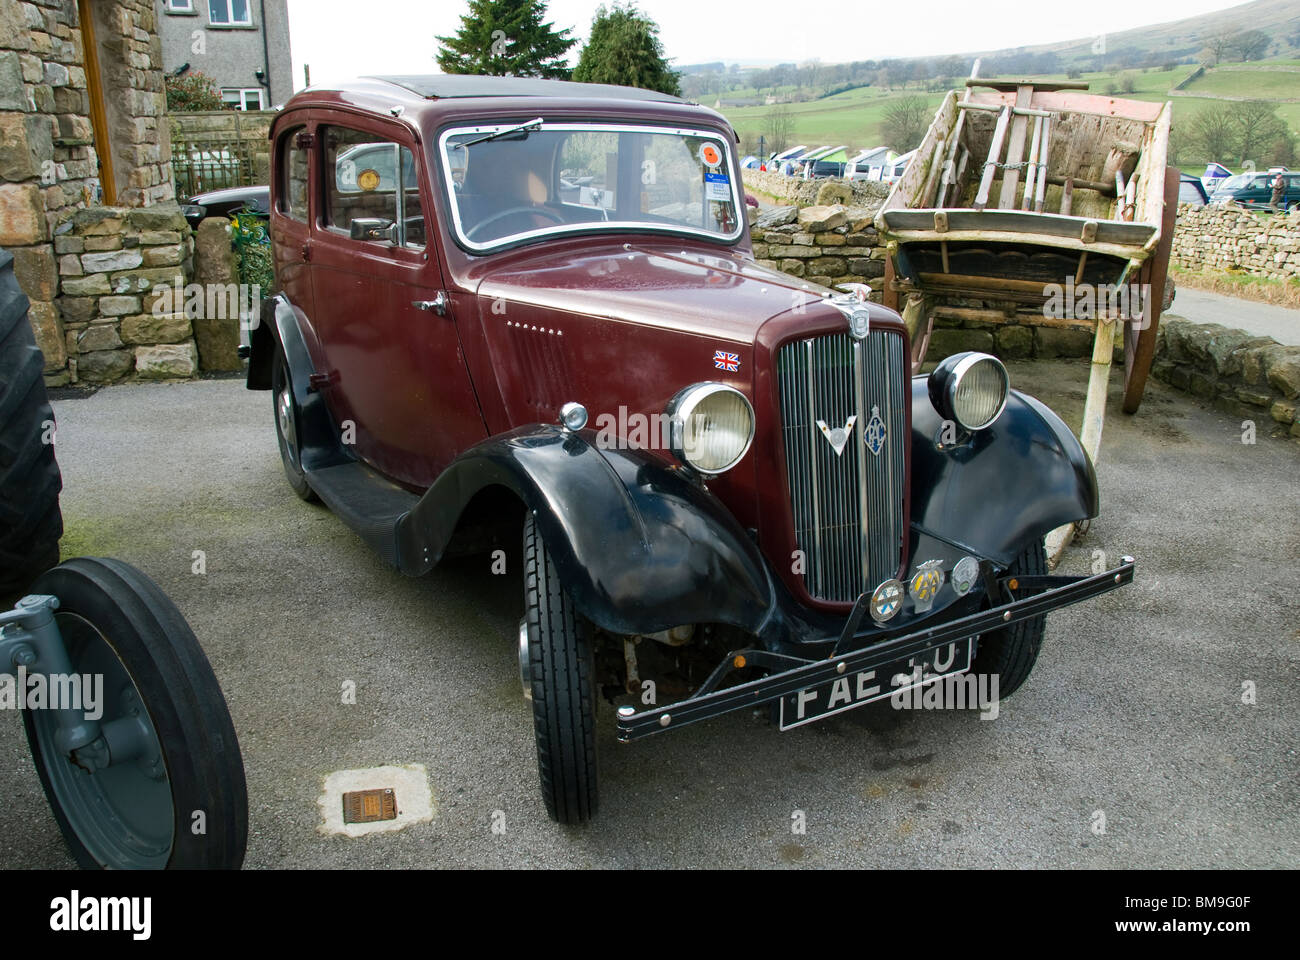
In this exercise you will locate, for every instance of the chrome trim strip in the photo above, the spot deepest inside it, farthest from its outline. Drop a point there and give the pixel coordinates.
(812, 464)
(864, 507)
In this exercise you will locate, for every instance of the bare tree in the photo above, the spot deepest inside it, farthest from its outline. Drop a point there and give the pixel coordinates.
(906, 122)
(1257, 127)
(778, 127)
(1220, 42)
(1212, 132)
(1251, 45)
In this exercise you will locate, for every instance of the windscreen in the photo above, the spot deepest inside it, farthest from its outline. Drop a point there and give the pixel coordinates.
(564, 178)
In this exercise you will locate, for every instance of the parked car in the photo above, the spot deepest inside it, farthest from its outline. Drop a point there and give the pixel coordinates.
(1255, 190)
(724, 489)
(224, 203)
(1191, 190)
(827, 168)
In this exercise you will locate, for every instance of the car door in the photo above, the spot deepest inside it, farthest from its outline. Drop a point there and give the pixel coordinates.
(395, 372)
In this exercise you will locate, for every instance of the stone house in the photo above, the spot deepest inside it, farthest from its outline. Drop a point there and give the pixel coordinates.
(243, 45)
(87, 205)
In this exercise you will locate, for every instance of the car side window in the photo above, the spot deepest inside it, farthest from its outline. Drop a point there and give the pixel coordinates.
(293, 176)
(362, 198)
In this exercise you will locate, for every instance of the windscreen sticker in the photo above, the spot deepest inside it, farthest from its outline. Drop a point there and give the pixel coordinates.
(710, 155)
(717, 186)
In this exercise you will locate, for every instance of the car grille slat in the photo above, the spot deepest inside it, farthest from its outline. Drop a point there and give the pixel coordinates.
(847, 508)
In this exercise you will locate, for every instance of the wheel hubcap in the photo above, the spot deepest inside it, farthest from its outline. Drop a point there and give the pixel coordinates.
(525, 670)
(284, 418)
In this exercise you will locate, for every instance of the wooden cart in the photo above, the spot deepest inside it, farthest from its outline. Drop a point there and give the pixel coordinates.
(1024, 202)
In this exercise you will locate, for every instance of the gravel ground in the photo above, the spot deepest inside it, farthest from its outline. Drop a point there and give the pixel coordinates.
(1134, 709)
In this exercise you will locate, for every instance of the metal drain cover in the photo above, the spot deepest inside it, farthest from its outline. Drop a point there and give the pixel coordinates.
(369, 806)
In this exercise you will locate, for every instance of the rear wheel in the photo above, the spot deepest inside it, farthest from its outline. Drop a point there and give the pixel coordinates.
(164, 785)
(561, 678)
(30, 520)
(1010, 653)
(286, 428)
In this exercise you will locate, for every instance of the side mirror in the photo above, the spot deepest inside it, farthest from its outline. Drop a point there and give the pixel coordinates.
(374, 228)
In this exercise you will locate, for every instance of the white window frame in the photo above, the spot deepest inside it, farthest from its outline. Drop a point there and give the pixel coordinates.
(179, 6)
(230, 13)
(242, 102)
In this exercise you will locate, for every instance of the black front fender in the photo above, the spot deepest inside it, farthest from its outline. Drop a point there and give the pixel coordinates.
(998, 490)
(640, 548)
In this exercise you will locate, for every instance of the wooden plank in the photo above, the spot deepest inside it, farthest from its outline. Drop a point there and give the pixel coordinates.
(1017, 84)
(1041, 193)
(1031, 171)
(1067, 197)
(1094, 418)
(1015, 150)
(98, 113)
(949, 176)
(990, 165)
(996, 224)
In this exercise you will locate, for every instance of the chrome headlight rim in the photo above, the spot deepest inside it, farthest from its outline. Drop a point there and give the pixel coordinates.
(684, 403)
(947, 378)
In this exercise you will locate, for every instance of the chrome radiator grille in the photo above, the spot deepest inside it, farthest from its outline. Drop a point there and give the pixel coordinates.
(848, 507)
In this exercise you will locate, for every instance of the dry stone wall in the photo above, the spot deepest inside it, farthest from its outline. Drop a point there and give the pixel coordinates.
(1220, 238)
(1249, 376)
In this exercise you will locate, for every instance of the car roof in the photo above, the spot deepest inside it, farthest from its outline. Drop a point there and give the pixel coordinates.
(442, 86)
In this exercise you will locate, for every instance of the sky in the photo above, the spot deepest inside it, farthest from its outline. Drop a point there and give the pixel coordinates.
(343, 38)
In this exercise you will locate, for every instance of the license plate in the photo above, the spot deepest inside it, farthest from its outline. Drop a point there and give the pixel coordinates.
(863, 686)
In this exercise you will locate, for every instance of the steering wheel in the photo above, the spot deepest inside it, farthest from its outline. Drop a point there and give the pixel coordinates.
(509, 211)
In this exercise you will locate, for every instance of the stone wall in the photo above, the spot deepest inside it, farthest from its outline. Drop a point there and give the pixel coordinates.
(48, 165)
(130, 63)
(1218, 238)
(1249, 376)
(113, 262)
(802, 192)
(88, 270)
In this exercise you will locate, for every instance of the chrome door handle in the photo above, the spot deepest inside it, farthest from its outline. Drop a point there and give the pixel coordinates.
(437, 305)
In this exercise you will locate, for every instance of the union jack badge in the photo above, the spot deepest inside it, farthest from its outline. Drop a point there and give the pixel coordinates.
(726, 361)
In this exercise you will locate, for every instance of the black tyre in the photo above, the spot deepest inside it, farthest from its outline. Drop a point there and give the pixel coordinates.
(178, 800)
(30, 521)
(561, 680)
(1010, 653)
(287, 428)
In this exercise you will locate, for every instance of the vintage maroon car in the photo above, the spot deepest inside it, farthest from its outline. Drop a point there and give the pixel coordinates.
(524, 308)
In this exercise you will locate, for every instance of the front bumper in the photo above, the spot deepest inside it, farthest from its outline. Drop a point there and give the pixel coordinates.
(791, 674)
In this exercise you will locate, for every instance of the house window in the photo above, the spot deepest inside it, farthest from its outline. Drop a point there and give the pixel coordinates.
(180, 6)
(232, 12)
(242, 99)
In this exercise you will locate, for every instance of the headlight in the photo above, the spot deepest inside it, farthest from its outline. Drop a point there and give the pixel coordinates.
(970, 388)
(711, 426)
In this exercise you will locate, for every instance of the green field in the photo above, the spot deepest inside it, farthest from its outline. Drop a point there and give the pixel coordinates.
(1258, 82)
(856, 117)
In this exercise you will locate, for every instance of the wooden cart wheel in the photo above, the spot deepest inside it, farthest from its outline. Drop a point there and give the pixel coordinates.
(1140, 345)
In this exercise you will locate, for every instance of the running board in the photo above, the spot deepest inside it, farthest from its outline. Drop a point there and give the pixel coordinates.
(372, 506)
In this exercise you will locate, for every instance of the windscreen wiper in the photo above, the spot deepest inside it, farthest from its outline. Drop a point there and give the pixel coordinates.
(528, 127)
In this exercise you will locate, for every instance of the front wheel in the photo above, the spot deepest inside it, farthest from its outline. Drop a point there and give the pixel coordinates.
(164, 786)
(286, 428)
(560, 676)
(1010, 653)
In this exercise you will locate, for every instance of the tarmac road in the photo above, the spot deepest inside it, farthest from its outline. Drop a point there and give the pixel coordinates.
(1263, 319)
(1135, 709)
